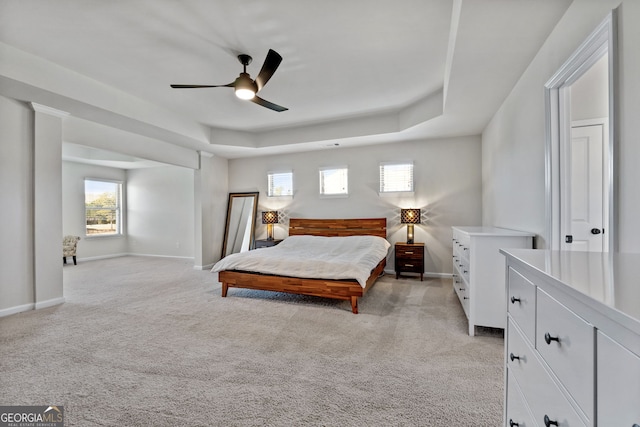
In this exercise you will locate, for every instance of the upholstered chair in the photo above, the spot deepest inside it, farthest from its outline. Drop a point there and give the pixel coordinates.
(69, 244)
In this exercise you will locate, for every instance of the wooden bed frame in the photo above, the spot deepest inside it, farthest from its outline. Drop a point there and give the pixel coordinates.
(349, 290)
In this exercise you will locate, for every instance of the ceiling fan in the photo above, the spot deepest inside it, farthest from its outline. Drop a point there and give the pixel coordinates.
(244, 86)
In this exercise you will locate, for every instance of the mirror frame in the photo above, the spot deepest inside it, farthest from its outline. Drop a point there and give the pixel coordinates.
(602, 40)
(232, 197)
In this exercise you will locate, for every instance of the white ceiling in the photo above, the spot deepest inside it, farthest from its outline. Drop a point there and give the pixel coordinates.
(354, 71)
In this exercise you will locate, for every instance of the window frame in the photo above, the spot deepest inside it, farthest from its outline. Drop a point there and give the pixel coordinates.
(322, 178)
(269, 180)
(118, 209)
(381, 186)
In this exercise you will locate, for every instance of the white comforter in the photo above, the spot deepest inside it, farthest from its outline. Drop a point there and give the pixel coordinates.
(313, 257)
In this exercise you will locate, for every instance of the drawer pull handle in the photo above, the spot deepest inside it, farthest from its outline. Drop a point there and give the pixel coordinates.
(408, 253)
(548, 422)
(408, 265)
(548, 338)
(513, 357)
(513, 423)
(461, 289)
(514, 300)
(465, 297)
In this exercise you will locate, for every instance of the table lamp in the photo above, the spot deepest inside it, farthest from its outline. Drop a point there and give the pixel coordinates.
(270, 218)
(410, 217)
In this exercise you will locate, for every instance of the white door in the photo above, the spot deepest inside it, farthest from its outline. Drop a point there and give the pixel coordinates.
(583, 205)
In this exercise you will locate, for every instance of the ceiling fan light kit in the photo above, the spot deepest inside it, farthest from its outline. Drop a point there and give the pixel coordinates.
(246, 88)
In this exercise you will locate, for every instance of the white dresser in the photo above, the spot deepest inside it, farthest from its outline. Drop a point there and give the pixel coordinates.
(478, 272)
(572, 350)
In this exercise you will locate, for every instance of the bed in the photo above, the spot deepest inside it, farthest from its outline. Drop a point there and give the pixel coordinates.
(349, 289)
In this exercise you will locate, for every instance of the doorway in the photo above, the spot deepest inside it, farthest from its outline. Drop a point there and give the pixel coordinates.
(580, 155)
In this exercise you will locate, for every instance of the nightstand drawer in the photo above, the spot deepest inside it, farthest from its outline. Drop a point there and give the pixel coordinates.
(410, 252)
(410, 266)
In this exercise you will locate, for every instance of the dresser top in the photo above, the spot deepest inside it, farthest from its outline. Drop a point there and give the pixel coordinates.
(492, 231)
(605, 278)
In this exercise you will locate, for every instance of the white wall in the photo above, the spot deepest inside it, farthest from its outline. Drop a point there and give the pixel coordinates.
(73, 212)
(447, 176)
(590, 93)
(513, 144)
(16, 215)
(160, 211)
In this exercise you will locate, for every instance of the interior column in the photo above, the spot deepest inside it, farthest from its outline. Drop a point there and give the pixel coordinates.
(47, 212)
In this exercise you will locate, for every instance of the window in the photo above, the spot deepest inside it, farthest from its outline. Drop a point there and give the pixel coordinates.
(102, 202)
(280, 184)
(334, 181)
(396, 177)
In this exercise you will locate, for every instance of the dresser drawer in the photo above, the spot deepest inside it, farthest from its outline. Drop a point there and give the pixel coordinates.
(521, 303)
(566, 342)
(460, 287)
(543, 396)
(517, 411)
(618, 389)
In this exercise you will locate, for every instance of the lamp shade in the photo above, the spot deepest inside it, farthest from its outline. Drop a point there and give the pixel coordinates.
(270, 217)
(410, 216)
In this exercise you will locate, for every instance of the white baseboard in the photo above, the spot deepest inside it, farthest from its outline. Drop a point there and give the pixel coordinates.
(439, 275)
(17, 309)
(204, 267)
(99, 257)
(161, 256)
(31, 306)
(49, 303)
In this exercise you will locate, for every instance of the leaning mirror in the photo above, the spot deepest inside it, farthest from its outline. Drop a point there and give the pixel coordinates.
(241, 220)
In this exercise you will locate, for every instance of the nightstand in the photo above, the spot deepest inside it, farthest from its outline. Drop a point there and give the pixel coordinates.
(410, 258)
(266, 243)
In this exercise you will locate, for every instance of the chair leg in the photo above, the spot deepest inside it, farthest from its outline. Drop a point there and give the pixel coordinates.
(74, 260)
(64, 259)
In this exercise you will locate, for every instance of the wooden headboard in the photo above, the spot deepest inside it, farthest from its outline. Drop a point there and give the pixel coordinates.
(338, 227)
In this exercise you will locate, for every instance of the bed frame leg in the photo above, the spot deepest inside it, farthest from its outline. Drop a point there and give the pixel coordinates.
(354, 305)
(225, 288)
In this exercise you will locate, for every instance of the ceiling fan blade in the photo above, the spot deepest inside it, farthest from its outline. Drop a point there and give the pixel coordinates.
(200, 86)
(256, 99)
(269, 67)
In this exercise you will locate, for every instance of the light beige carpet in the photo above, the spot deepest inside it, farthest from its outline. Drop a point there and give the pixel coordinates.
(150, 342)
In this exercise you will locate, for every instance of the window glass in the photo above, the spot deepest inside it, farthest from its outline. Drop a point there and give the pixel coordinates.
(102, 202)
(396, 177)
(334, 181)
(280, 184)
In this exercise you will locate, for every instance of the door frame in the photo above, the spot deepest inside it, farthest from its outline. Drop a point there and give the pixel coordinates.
(603, 40)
